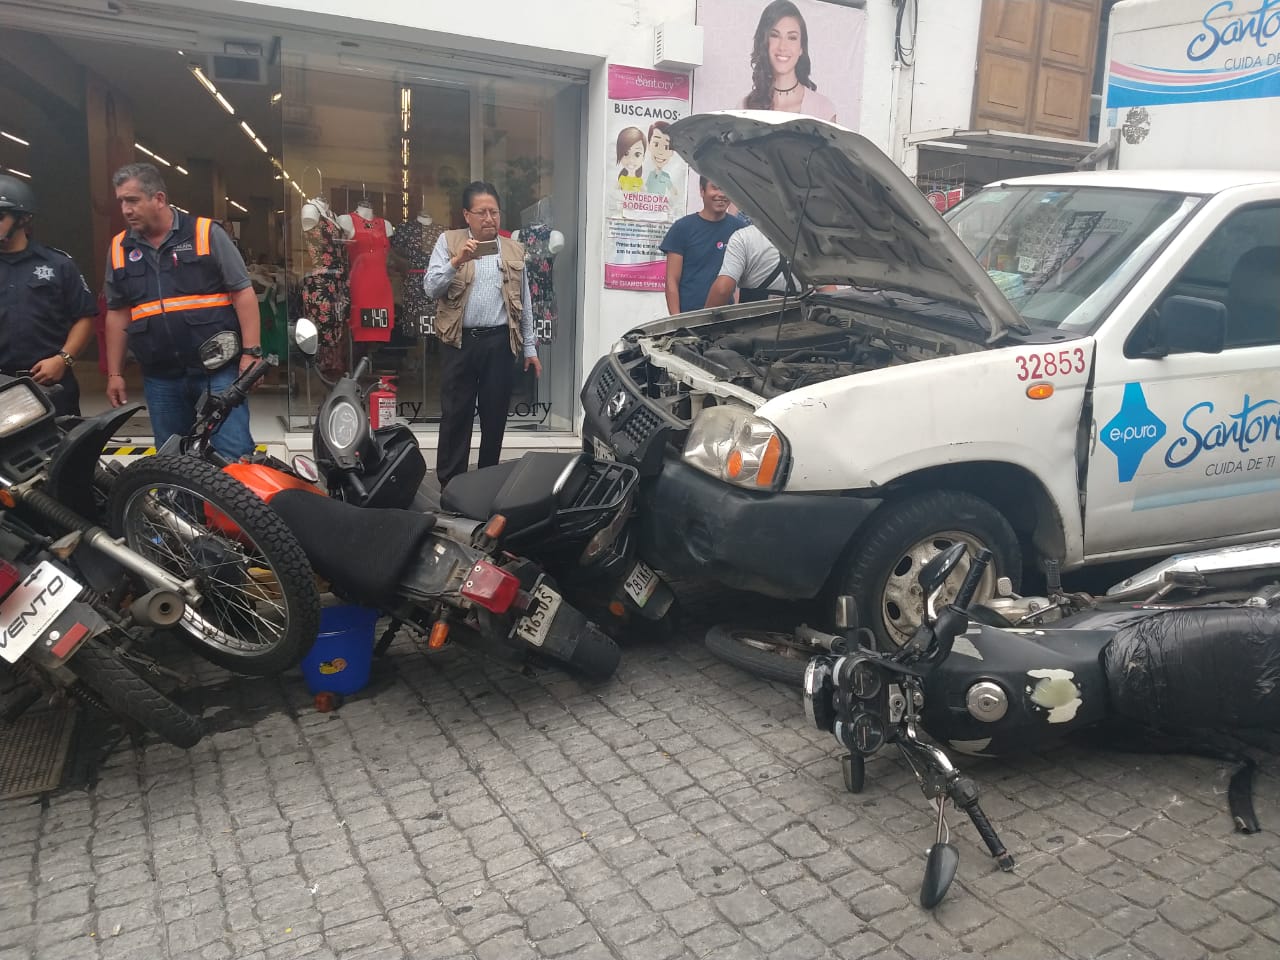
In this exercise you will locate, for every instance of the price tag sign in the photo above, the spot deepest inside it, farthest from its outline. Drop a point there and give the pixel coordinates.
(375, 318)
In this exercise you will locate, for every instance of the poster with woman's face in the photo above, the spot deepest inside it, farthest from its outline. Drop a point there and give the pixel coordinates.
(795, 56)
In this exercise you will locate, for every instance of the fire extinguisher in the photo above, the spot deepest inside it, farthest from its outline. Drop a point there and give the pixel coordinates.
(382, 403)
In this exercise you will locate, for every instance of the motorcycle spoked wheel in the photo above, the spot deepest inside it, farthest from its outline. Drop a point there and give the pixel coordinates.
(110, 679)
(768, 654)
(260, 609)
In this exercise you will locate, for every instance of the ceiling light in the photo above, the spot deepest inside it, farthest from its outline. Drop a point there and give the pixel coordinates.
(237, 206)
(19, 173)
(225, 106)
(277, 97)
(261, 146)
(182, 170)
(10, 136)
(204, 81)
(244, 125)
(176, 207)
(138, 146)
(279, 211)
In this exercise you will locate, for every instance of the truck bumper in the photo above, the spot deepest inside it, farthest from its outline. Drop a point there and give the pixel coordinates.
(778, 544)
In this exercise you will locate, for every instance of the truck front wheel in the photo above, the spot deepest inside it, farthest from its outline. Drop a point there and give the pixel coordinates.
(901, 537)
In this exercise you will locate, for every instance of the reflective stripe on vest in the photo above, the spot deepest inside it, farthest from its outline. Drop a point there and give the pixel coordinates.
(202, 236)
(177, 304)
(117, 251)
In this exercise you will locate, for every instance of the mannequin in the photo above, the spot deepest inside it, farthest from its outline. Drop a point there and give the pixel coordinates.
(414, 240)
(372, 302)
(555, 243)
(325, 294)
(541, 244)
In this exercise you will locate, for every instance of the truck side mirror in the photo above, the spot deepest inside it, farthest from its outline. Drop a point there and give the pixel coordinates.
(1181, 325)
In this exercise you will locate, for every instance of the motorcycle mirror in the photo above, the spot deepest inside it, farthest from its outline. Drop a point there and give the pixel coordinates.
(305, 467)
(219, 350)
(306, 336)
(934, 573)
(939, 871)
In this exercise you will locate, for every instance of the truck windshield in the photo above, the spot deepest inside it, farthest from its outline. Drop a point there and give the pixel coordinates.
(1061, 255)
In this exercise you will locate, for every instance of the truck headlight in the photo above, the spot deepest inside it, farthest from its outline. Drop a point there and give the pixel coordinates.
(738, 447)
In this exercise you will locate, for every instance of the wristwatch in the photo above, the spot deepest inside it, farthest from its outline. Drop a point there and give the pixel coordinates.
(252, 352)
(67, 358)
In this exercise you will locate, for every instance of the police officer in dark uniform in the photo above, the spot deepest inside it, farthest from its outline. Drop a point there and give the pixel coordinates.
(46, 309)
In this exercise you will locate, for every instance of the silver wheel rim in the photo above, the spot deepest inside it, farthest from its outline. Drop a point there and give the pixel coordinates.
(161, 522)
(902, 602)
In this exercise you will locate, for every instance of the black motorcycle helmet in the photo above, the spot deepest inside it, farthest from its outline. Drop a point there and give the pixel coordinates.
(17, 196)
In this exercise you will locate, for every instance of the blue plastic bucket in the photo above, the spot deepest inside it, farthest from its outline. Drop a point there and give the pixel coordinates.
(340, 659)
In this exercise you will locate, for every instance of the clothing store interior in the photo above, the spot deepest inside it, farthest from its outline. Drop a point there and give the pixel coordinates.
(335, 163)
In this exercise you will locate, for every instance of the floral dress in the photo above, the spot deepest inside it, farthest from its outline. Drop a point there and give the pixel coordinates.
(414, 240)
(537, 267)
(324, 290)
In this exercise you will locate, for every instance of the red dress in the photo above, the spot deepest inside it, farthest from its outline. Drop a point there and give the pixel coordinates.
(372, 304)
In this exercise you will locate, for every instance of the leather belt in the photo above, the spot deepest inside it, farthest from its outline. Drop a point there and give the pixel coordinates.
(484, 331)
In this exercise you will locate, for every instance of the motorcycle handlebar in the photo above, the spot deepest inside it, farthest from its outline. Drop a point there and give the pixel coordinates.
(977, 567)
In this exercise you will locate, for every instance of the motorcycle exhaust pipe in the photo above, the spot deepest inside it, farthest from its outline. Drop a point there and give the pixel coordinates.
(158, 608)
(99, 539)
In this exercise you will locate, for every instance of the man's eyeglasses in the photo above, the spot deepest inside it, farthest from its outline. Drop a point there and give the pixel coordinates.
(484, 214)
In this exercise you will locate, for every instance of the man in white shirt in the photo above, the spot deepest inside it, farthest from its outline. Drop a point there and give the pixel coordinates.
(751, 265)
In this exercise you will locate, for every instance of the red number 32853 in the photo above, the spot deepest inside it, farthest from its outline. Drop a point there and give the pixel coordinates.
(1060, 364)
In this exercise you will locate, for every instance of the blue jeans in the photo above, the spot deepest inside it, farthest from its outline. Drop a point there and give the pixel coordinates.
(172, 406)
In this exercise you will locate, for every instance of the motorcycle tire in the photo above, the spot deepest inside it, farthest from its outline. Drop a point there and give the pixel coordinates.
(901, 536)
(113, 681)
(261, 609)
(768, 654)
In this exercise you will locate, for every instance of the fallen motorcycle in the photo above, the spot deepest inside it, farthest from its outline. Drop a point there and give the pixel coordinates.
(60, 636)
(448, 578)
(568, 512)
(993, 691)
(178, 526)
(1243, 574)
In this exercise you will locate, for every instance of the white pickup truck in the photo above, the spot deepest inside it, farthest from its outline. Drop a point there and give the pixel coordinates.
(1082, 367)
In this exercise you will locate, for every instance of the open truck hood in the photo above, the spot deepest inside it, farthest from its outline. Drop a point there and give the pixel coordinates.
(850, 216)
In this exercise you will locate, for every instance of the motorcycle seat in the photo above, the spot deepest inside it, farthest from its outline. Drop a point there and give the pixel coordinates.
(520, 490)
(363, 551)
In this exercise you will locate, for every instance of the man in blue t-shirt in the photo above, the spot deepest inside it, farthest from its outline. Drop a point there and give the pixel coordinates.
(695, 249)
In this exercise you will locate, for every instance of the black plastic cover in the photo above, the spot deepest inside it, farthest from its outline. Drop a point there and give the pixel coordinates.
(1203, 667)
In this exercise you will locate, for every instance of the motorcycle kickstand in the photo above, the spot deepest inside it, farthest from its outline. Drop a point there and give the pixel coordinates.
(964, 794)
(384, 641)
(854, 768)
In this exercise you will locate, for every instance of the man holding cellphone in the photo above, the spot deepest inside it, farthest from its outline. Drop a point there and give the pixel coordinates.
(478, 282)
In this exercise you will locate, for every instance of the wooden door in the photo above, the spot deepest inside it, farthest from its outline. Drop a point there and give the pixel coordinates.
(1035, 66)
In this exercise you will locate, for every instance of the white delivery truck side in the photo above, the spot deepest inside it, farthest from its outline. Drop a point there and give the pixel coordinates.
(1194, 83)
(1079, 367)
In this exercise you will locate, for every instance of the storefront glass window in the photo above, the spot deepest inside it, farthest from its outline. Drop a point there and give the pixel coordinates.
(377, 156)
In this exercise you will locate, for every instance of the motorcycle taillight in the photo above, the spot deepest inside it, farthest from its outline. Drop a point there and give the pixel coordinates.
(491, 587)
(10, 577)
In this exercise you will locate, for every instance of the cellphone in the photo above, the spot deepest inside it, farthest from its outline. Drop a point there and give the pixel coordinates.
(487, 248)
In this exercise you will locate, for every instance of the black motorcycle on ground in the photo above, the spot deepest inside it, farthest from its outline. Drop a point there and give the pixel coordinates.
(569, 513)
(991, 690)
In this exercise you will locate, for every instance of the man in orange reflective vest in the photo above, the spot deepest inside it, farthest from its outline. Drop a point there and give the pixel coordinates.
(173, 281)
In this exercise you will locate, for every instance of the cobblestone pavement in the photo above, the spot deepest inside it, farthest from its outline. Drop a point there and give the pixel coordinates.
(458, 808)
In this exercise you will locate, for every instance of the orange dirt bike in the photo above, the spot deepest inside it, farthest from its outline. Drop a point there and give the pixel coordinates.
(446, 577)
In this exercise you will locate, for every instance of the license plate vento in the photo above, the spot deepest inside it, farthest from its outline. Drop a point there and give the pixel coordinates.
(30, 610)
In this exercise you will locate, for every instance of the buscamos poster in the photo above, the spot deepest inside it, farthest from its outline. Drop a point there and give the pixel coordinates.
(645, 180)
